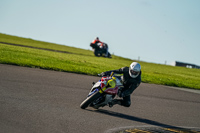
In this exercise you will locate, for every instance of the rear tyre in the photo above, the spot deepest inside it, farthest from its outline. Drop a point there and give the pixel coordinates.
(90, 99)
(109, 55)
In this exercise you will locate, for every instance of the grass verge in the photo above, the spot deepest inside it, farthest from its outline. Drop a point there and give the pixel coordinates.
(70, 59)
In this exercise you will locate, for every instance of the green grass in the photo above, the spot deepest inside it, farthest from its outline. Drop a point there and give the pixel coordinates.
(84, 62)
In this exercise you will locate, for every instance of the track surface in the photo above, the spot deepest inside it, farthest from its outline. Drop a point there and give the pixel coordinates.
(41, 101)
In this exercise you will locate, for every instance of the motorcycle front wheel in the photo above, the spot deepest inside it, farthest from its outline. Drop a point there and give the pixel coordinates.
(90, 99)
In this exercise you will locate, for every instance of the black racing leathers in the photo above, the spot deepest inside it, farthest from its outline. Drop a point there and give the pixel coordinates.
(129, 83)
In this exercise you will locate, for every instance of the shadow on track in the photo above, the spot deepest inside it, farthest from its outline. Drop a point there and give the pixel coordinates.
(133, 118)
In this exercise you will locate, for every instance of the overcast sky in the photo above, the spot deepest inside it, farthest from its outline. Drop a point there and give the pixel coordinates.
(154, 30)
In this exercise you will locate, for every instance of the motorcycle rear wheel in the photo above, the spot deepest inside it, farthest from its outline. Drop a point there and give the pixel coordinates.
(90, 99)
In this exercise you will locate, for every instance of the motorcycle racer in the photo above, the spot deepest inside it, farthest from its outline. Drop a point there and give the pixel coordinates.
(131, 79)
(95, 42)
(100, 48)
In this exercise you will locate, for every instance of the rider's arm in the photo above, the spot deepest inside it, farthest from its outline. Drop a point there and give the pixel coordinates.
(95, 42)
(118, 71)
(100, 41)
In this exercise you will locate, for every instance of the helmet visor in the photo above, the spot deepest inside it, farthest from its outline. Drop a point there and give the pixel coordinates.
(134, 72)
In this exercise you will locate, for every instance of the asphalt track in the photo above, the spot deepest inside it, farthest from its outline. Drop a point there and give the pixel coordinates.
(40, 101)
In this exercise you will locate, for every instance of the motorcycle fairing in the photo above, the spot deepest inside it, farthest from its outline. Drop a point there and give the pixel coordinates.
(112, 91)
(110, 84)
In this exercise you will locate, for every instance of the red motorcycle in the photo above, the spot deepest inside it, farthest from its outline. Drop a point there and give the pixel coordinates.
(101, 50)
(103, 92)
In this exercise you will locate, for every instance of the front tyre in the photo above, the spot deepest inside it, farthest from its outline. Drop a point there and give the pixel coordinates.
(96, 52)
(90, 99)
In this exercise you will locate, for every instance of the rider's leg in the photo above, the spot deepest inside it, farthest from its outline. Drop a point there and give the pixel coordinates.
(115, 101)
(126, 101)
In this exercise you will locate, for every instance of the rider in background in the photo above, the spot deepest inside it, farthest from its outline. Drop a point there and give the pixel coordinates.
(131, 79)
(95, 42)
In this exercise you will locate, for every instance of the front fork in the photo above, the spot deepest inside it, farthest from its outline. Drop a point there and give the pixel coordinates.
(108, 99)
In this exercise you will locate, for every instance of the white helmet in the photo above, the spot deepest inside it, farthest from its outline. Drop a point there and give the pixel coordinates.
(134, 69)
(96, 38)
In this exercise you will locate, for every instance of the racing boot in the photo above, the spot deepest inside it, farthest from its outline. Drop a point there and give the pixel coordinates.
(96, 107)
(113, 102)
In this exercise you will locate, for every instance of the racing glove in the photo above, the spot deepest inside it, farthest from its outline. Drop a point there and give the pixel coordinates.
(105, 74)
